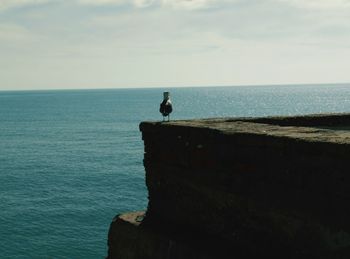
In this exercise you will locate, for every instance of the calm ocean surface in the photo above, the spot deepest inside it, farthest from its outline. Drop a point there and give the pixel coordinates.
(71, 160)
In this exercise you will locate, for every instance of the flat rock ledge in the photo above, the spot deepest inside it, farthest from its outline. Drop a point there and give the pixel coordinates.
(128, 239)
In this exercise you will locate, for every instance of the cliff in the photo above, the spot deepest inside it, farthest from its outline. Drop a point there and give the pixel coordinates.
(242, 188)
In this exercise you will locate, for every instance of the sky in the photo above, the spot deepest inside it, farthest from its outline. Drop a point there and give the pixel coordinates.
(72, 44)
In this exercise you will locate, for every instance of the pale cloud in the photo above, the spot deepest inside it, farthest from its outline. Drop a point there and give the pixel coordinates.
(14, 33)
(175, 4)
(205, 4)
(143, 3)
(318, 4)
(178, 4)
(189, 4)
(102, 2)
(7, 4)
(173, 42)
(185, 4)
(135, 3)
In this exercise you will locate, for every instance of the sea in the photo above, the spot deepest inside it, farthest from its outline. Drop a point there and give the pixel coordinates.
(70, 160)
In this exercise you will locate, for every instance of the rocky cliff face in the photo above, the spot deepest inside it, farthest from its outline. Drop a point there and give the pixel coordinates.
(242, 188)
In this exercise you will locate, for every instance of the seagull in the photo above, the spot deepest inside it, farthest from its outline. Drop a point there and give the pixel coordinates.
(165, 107)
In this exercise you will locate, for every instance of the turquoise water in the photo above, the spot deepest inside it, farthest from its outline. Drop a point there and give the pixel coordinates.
(71, 160)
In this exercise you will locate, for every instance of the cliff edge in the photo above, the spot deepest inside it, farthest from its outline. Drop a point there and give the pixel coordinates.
(242, 188)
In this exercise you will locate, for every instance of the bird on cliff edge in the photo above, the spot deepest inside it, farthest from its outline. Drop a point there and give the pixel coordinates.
(166, 107)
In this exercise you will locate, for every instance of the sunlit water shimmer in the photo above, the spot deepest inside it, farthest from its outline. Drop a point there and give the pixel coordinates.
(71, 160)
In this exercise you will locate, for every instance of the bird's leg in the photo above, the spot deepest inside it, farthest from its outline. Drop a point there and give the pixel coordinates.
(169, 117)
(163, 118)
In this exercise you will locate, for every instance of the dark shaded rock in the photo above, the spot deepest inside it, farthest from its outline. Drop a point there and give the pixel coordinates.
(128, 239)
(243, 188)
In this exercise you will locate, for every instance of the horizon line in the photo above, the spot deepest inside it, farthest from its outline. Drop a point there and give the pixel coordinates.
(167, 87)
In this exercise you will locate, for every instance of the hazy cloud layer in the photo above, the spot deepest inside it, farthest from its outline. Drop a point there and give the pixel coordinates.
(7, 4)
(184, 4)
(112, 43)
(318, 3)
